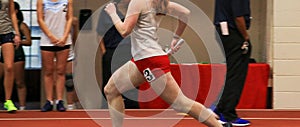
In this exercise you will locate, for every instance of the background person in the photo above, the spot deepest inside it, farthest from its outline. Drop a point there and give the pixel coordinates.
(9, 39)
(72, 99)
(233, 16)
(19, 58)
(110, 40)
(55, 20)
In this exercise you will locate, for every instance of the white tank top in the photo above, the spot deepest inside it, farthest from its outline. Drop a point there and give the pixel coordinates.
(5, 21)
(144, 38)
(55, 19)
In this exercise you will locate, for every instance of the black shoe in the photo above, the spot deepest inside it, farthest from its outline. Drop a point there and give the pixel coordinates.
(60, 106)
(47, 107)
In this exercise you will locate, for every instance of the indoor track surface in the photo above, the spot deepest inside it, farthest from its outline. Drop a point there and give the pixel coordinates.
(139, 118)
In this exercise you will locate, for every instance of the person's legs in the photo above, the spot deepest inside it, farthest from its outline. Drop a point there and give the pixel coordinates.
(1, 70)
(19, 68)
(125, 78)
(106, 73)
(168, 89)
(8, 55)
(129, 76)
(61, 63)
(156, 70)
(70, 86)
(72, 99)
(76, 101)
(237, 66)
(48, 75)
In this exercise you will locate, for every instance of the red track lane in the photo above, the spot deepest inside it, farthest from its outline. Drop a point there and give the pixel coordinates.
(139, 118)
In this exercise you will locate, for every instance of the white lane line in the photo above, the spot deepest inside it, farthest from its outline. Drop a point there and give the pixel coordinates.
(136, 118)
(271, 118)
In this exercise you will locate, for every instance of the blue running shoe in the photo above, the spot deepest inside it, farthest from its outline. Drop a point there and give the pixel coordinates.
(47, 107)
(222, 120)
(221, 117)
(60, 106)
(240, 122)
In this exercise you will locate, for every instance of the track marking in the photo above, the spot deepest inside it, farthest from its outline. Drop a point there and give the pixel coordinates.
(137, 118)
(271, 118)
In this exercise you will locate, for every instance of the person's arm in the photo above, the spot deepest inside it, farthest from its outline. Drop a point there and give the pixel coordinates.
(42, 24)
(239, 9)
(68, 26)
(75, 25)
(102, 27)
(26, 32)
(102, 46)
(133, 12)
(182, 14)
(12, 12)
(241, 26)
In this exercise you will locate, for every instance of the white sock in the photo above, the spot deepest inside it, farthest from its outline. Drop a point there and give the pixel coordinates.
(70, 106)
(22, 108)
(57, 101)
(51, 102)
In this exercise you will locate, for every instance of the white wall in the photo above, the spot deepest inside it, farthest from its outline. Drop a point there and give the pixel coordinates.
(286, 54)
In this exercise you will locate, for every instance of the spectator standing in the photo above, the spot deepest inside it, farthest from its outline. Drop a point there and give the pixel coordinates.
(110, 40)
(55, 20)
(9, 39)
(19, 58)
(232, 20)
(72, 99)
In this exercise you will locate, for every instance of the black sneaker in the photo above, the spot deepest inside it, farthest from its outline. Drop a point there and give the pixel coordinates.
(47, 107)
(60, 106)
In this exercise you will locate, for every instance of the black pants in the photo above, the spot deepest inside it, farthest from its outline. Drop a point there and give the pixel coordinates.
(108, 67)
(237, 67)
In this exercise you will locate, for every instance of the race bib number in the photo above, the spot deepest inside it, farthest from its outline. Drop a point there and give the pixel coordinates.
(148, 75)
